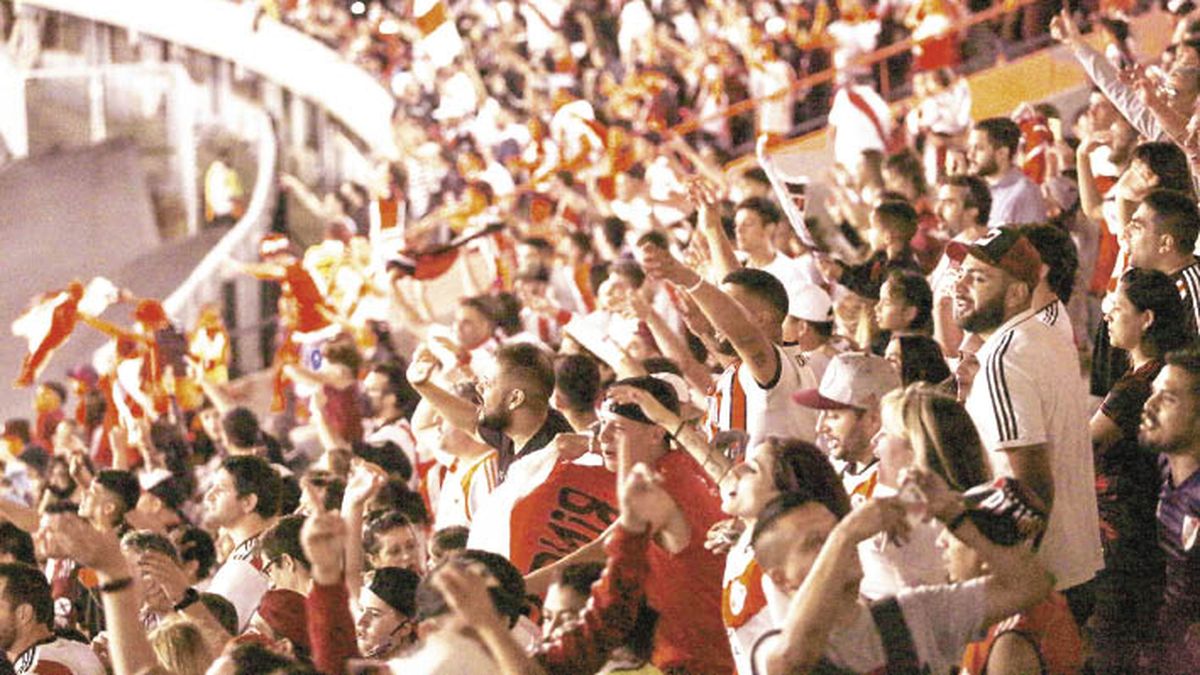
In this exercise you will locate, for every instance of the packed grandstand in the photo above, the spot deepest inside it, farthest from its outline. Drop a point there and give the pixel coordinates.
(652, 336)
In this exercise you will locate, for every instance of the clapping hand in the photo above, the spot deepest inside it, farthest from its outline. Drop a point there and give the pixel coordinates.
(363, 483)
(724, 534)
(165, 574)
(423, 365)
(66, 535)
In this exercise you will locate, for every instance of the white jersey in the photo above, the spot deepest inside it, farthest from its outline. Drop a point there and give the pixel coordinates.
(241, 580)
(464, 488)
(738, 402)
(58, 657)
(744, 602)
(1055, 316)
(1029, 391)
(888, 568)
(860, 123)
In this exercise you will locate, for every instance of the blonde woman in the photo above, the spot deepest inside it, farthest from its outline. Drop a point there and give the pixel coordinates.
(180, 648)
(926, 428)
(939, 433)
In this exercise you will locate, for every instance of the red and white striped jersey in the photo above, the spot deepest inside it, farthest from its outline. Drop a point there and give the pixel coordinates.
(738, 402)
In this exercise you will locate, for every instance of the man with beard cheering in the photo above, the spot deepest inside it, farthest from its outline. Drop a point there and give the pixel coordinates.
(1029, 402)
(516, 417)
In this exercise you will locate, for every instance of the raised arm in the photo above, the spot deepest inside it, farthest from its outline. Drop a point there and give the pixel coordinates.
(69, 536)
(812, 611)
(158, 569)
(728, 317)
(1105, 76)
(708, 225)
(330, 625)
(364, 483)
(672, 344)
(1016, 580)
(1090, 199)
(459, 412)
(715, 464)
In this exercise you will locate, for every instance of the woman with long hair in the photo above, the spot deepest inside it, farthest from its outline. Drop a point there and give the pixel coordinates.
(918, 358)
(923, 427)
(771, 468)
(939, 434)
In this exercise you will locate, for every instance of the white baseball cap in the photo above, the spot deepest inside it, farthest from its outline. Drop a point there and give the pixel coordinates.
(852, 380)
(809, 302)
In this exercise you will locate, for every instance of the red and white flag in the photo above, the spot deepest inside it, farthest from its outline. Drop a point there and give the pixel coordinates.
(51, 318)
(546, 509)
(792, 193)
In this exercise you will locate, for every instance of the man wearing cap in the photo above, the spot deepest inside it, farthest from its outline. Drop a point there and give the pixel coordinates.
(848, 404)
(748, 310)
(1029, 402)
(386, 625)
(809, 326)
(282, 620)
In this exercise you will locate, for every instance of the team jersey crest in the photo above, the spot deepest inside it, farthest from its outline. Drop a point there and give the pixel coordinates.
(1191, 527)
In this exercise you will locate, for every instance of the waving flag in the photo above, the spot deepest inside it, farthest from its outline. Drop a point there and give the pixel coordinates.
(792, 193)
(51, 318)
(546, 509)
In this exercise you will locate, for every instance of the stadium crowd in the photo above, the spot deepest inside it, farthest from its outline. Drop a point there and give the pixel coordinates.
(558, 392)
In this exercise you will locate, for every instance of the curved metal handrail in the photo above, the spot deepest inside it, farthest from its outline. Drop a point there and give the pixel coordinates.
(201, 285)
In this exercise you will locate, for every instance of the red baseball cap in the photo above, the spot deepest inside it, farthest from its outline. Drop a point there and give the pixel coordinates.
(1003, 248)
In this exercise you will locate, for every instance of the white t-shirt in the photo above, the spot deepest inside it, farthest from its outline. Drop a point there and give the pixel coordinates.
(241, 580)
(738, 402)
(1055, 316)
(941, 619)
(448, 653)
(774, 115)
(791, 272)
(1029, 391)
(889, 568)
